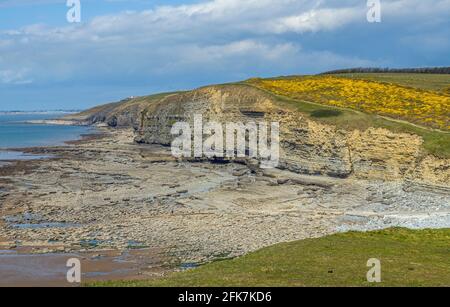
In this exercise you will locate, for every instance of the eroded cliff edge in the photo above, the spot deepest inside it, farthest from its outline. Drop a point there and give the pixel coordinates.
(307, 146)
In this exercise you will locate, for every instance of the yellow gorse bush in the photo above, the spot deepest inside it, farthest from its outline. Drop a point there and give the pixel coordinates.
(414, 105)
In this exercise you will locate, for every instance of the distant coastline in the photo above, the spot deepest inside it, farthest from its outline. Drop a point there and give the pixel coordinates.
(40, 112)
(60, 117)
(59, 122)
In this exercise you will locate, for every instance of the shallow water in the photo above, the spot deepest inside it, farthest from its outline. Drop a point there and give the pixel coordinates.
(45, 225)
(17, 155)
(15, 132)
(50, 269)
(34, 221)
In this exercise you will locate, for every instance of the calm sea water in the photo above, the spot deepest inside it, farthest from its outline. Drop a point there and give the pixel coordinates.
(16, 133)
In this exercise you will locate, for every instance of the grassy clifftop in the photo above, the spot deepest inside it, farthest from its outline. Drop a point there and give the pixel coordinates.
(405, 103)
(357, 103)
(432, 82)
(408, 258)
(427, 108)
(118, 114)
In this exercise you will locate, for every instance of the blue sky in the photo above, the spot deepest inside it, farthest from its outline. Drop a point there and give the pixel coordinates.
(123, 48)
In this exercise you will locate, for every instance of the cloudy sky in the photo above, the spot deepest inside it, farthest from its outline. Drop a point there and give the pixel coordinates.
(123, 48)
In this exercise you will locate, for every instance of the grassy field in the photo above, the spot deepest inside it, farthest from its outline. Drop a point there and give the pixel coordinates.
(433, 82)
(436, 142)
(427, 108)
(130, 105)
(408, 258)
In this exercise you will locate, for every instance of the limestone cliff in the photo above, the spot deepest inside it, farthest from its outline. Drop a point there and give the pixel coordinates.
(307, 146)
(125, 113)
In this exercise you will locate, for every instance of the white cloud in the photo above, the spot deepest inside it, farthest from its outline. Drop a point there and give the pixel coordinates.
(227, 37)
(315, 20)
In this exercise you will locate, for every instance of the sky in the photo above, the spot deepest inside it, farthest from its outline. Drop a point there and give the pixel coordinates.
(138, 47)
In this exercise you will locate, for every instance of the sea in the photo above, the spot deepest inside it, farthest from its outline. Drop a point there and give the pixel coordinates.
(17, 132)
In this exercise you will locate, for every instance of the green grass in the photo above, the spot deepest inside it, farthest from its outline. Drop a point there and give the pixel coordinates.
(434, 82)
(325, 113)
(435, 142)
(408, 258)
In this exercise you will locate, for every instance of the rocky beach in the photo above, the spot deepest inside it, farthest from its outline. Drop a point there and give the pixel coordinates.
(119, 199)
(107, 194)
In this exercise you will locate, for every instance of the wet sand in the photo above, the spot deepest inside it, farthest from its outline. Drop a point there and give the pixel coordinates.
(22, 269)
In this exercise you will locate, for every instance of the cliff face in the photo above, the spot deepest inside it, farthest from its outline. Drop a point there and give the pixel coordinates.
(306, 146)
(125, 113)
